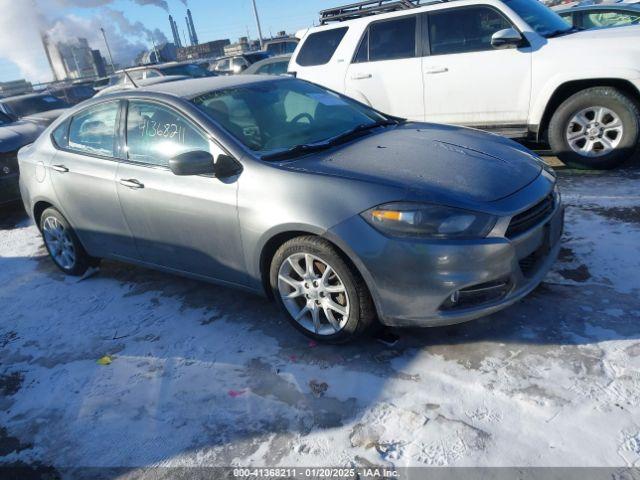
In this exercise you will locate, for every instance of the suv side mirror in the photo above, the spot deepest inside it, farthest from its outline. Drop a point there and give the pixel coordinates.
(507, 38)
(197, 162)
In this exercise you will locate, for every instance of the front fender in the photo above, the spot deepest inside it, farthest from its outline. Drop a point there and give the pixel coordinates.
(553, 83)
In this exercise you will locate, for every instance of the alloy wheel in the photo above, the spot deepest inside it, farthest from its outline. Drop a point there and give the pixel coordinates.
(313, 294)
(594, 131)
(59, 243)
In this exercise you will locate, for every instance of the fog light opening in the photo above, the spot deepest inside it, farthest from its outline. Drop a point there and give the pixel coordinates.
(477, 295)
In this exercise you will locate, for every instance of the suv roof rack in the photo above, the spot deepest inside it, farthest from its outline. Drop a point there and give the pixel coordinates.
(369, 7)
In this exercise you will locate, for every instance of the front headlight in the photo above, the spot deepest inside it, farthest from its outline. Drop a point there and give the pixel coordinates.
(428, 221)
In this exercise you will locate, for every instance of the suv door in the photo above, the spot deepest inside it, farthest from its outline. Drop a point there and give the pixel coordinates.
(83, 174)
(386, 71)
(468, 81)
(184, 223)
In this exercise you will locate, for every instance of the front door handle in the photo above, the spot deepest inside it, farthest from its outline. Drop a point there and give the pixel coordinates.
(432, 70)
(361, 76)
(60, 168)
(131, 183)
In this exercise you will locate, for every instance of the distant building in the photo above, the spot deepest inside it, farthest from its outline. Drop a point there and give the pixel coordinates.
(203, 50)
(73, 59)
(15, 87)
(241, 46)
(165, 52)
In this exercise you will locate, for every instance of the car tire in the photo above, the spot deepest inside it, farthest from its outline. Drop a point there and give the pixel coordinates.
(354, 295)
(577, 117)
(63, 244)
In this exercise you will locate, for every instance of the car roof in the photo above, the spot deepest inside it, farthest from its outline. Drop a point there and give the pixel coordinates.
(197, 86)
(623, 7)
(26, 96)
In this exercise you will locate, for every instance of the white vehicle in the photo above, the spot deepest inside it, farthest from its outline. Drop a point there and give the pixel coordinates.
(510, 66)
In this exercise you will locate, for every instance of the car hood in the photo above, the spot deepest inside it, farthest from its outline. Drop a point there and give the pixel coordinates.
(438, 160)
(45, 118)
(18, 134)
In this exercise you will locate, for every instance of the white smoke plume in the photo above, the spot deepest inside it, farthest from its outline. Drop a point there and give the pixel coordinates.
(22, 21)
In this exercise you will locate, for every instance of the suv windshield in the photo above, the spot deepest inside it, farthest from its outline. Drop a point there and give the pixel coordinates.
(190, 70)
(286, 115)
(22, 107)
(539, 17)
(256, 56)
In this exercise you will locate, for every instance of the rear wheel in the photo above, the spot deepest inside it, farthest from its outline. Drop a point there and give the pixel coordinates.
(63, 244)
(596, 128)
(321, 295)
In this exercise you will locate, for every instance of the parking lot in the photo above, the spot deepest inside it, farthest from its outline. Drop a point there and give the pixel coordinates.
(196, 374)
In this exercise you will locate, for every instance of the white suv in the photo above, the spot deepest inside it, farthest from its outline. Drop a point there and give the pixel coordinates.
(510, 66)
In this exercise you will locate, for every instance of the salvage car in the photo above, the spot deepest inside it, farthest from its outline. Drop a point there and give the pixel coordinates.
(510, 66)
(344, 215)
(41, 108)
(13, 136)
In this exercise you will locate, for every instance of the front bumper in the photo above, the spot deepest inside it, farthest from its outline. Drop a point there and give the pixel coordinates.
(413, 282)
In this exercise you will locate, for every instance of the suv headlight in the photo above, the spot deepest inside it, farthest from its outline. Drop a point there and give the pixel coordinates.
(428, 221)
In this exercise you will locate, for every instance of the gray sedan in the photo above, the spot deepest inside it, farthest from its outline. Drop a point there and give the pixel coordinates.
(344, 216)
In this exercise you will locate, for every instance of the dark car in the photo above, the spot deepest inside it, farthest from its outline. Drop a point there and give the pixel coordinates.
(73, 94)
(602, 15)
(41, 108)
(235, 64)
(13, 136)
(270, 66)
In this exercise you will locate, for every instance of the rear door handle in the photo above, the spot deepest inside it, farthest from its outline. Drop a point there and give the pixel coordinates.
(432, 70)
(60, 168)
(131, 183)
(361, 76)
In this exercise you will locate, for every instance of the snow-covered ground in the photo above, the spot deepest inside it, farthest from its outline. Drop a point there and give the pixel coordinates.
(202, 375)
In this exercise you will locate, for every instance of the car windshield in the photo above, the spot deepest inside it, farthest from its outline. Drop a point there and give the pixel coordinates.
(36, 104)
(541, 18)
(282, 115)
(191, 70)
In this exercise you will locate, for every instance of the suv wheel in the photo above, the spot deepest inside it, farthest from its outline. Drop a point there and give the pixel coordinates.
(321, 295)
(595, 128)
(63, 245)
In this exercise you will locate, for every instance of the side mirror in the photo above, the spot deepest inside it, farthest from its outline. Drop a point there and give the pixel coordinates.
(192, 163)
(226, 166)
(507, 38)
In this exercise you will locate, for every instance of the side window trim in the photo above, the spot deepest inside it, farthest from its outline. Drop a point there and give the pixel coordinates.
(457, 8)
(68, 123)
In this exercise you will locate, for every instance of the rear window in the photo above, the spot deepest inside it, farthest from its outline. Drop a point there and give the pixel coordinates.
(320, 47)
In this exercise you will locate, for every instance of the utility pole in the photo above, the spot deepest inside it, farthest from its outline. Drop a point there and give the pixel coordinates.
(104, 35)
(255, 11)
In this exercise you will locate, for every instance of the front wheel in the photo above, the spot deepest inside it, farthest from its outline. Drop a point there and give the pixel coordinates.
(595, 128)
(321, 295)
(63, 244)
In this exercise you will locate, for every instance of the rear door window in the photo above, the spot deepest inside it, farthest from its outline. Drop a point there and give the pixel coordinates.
(392, 39)
(92, 131)
(320, 47)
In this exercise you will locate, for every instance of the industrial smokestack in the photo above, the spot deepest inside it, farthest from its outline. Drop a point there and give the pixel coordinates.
(192, 28)
(174, 31)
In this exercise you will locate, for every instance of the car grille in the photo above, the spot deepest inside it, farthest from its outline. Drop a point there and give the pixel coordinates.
(530, 218)
(8, 163)
(529, 264)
